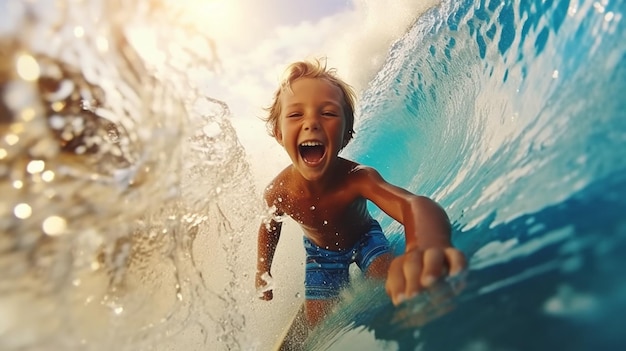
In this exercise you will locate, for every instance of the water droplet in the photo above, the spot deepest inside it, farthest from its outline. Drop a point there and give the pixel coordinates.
(28, 68)
(11, 139)
(35, 166)
(298, 295)
(325, 222)
(22, 211)
(47, 176)
(54, 225)
(79, 31)
(312, 208)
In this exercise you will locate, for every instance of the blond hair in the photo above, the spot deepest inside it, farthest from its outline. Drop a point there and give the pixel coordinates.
(317, 70)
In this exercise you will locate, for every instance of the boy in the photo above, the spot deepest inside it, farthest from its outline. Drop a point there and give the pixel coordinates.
(312, 117)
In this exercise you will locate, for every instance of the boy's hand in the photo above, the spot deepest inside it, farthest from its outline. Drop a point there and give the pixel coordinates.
(265, 292)
(415, 270)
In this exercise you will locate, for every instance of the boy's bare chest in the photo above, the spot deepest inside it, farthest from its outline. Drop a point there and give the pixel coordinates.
(325, 213)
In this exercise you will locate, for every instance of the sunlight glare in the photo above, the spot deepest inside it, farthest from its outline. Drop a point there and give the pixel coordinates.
(216, 18)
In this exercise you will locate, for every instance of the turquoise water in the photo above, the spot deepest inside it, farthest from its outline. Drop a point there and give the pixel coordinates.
(511, 114)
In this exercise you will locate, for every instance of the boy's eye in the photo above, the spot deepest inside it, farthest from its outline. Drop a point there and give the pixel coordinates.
(330, 113)
(294, 114)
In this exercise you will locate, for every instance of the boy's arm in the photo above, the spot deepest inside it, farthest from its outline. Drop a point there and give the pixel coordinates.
(429, 253)
(267, 240)
(269, 234)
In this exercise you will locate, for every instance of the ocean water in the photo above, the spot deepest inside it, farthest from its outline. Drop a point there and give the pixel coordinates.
(122, 184)
(126, 215)
(512, 115)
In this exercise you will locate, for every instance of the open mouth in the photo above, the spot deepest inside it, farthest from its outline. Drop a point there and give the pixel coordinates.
(312, 151)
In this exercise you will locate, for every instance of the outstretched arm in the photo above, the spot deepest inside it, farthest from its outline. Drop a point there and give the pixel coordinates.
(269, 234)
(429, 253)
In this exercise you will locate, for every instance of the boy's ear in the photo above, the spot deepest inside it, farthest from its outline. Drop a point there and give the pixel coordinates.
(279, 137)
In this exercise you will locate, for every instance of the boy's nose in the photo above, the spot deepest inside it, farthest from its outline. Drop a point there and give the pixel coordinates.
(311, 127)
(311, 123)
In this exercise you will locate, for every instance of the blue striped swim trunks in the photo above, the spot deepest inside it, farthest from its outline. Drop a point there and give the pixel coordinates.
(328, 271)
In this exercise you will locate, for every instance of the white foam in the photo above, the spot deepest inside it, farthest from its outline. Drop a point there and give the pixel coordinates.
(569, 303)
(497, 252)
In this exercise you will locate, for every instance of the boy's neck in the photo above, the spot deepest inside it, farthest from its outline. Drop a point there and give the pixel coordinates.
(320, 186)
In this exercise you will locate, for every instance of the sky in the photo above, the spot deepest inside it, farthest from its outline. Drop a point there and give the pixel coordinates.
(256, 40)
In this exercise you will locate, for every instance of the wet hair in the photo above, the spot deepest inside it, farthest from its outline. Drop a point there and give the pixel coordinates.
(312, 69)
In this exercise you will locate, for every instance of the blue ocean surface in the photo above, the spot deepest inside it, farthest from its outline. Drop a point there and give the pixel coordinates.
(512, 115)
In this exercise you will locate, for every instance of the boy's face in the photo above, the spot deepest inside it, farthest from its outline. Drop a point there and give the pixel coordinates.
(312, 125)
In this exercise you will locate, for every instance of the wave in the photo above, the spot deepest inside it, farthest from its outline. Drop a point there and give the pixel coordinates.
(106, 142)
(510, 115)
(502, 109)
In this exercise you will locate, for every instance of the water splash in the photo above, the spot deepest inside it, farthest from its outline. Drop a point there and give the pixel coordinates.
(104, 146)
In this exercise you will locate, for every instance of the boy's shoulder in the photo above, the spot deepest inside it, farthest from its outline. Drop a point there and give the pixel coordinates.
(355, 169)
(283, 176)
(279, 182)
